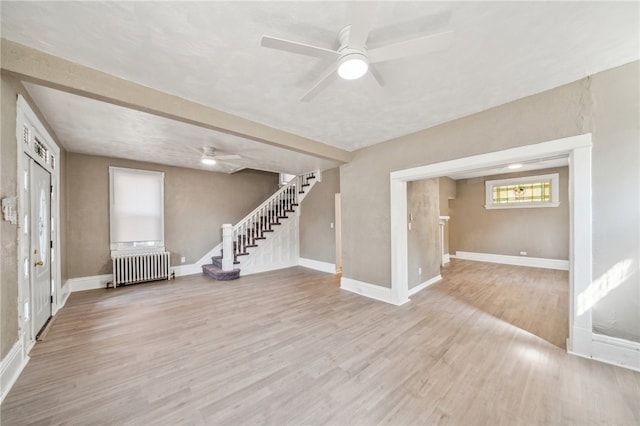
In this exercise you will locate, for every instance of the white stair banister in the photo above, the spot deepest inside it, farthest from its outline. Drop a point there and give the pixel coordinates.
(238, 238)
(227, 247)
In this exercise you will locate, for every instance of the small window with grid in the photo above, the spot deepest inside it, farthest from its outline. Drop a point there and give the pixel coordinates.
(529, 191)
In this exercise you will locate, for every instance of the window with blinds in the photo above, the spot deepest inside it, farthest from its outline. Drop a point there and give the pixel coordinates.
(136, 209)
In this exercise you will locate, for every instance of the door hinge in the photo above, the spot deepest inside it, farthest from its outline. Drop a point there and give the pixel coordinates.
(51, 244)
(51, 299)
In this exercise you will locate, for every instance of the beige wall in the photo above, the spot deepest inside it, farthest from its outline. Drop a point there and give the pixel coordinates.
(616, 197)
(541, 232)
(557, 113)
(423, 239)
(317, 238)
(8, 233)
(197, 203)
(447, 191)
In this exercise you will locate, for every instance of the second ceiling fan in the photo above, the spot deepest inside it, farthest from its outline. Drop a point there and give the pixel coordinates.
(353, 60)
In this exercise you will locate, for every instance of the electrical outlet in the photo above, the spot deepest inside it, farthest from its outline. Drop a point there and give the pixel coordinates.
(523, 253)
(419, 271)
(183, 259)
(409, 226)
(331, 225)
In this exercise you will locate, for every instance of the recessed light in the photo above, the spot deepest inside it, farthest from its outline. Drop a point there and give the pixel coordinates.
(208, 161)
(514, 166)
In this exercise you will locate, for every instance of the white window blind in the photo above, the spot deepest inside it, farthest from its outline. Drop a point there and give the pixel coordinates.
(136, 209)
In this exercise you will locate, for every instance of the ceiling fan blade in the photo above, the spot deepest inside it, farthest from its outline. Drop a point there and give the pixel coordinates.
(227, 157)
(362, 15)
(299, 48)
(413, 47)
(376, 75)
(321, 83)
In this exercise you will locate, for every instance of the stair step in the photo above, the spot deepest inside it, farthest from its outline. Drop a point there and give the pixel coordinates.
(219, 275)
(217, 261)
(246, 253)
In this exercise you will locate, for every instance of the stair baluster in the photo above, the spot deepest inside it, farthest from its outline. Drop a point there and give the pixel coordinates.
(255, 225)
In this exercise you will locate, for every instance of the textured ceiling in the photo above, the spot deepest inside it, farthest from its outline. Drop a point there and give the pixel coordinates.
(111, 130)
(209, 52)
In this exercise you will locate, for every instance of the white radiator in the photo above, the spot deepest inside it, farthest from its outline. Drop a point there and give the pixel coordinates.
(140, 267)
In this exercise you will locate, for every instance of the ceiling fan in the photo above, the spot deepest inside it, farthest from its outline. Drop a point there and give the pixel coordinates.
(352, 60)
(210, 158)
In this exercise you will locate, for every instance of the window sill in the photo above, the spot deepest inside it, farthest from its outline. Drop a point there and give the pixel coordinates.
(520, 206)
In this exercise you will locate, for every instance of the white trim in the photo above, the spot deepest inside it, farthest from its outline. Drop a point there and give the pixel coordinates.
(425, 284)
(371, 291)
(497, 158)
(612, 350)
(580, 213)
(447, 258)
(580, 248)
(10, 368)
(534, 262)
(65, 292)
(25, 116)
(88, 283)
(399, 242)
(191, 269)
(318, 265)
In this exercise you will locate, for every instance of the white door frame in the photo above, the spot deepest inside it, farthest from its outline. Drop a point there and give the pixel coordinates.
(578, 148)
(28, 128)
(338, 226)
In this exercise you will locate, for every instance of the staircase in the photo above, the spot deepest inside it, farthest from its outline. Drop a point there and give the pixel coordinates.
(259, 226)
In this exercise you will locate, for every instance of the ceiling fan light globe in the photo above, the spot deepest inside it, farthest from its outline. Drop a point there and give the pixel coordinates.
(208, 161)
(353, 66)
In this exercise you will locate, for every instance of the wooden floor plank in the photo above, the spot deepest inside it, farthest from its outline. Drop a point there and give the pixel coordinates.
(486, 345)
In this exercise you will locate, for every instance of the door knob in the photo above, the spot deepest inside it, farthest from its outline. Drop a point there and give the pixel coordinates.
(38, 263)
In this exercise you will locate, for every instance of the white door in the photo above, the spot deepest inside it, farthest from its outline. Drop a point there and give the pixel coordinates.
(40, 245)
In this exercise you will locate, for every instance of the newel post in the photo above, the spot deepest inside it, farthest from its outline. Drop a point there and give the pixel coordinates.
(227, 247)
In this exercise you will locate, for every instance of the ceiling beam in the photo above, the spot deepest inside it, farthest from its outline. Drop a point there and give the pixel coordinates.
(51, 71)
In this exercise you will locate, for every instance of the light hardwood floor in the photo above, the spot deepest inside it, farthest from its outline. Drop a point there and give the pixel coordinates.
(483, 346)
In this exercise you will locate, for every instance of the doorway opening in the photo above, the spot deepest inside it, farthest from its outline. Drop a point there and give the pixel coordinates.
(578, 149)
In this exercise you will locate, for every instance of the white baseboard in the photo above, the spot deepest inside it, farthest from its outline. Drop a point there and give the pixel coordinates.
(10, 368)
(447, 258)
(612, 350)
(534, 262)
(371, 291)
(88, 283)
(424, 285)
(190, 269)
(329, 268)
